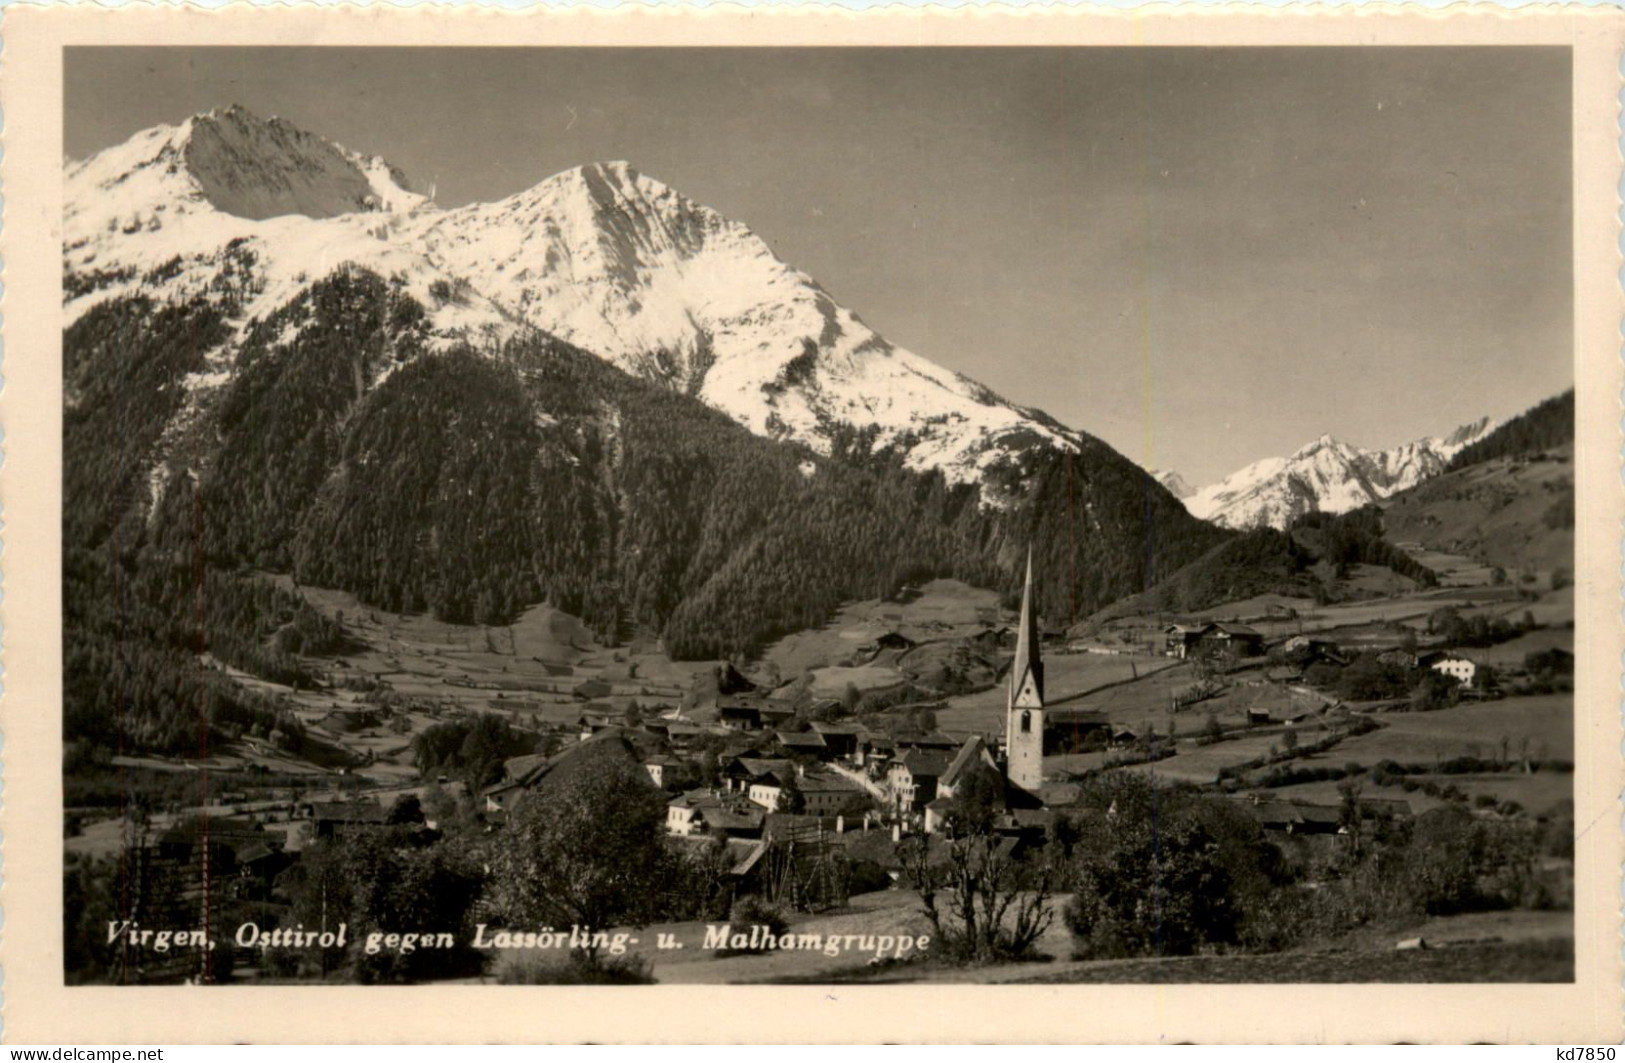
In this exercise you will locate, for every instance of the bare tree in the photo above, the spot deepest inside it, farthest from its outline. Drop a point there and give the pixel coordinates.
(984, 905)
(985, 902)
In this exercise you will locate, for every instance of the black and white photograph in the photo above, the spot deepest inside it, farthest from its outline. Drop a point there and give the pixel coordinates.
(621, 516)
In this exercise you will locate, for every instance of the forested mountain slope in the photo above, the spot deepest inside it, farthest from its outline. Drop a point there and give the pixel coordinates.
(1506, 501)
(472, 482)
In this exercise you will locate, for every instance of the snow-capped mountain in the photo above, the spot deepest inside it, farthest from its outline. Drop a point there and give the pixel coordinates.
(1326, 475)
(1176, 484)
(228, 203)
(601, 256)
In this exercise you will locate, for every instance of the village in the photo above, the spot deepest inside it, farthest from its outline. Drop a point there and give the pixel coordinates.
(810, 787)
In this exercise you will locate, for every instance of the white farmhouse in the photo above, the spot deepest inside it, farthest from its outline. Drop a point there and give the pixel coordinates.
(1454, 664)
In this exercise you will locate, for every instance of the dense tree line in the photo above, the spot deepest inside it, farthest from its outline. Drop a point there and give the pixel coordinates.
(1550, 424)
(1265, 560)
(280, 424)
(399, 880)
(1173, 872)
(1453, 629)
(123, 364)
(473, 749)
(636, 507)
(1168, 872)
(1255, 562)
(585, 849)
(1356, 537)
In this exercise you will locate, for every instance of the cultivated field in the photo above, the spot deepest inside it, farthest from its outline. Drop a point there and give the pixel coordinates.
(833, 681)
(939, 609)
(1470, 729)
(1202, 764)
(1277, 616)
(1539, 793)
(1454, 570)
(531, 671)
(1506, 512)
(1068, 681)
(1511, 654)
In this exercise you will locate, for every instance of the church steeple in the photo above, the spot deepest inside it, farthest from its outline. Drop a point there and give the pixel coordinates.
(1024, 713)
(1027, 670)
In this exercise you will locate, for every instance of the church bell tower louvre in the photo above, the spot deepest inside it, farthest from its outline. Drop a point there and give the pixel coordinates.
(1024, 714)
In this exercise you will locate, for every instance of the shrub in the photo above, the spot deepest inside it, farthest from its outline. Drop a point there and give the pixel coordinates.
(751, 912)
(1369, 679)
(1359, 725)
(1161, 874)
(1435, 691)
(456, 291)
(866, 876)
(1441, 869)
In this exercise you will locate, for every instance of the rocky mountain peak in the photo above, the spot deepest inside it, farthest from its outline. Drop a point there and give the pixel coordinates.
(1326, 442)
(632, 221)
(258, 168)
(1470, 433)
(1176, 484)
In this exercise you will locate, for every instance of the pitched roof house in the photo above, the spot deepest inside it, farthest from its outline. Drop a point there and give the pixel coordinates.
(914, 776)
(806, 743)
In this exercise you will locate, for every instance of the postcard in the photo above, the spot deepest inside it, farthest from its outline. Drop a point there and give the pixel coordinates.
(1004, 525)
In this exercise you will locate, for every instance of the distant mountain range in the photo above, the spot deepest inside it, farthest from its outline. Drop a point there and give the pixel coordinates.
(1505, 500)
(1326, 474)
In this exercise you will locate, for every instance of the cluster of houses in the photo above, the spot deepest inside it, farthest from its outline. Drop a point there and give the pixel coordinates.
(726, 777)
(1299, 818)
(1212, 639)
(729, 775)
(1226, 640)
(831, 770)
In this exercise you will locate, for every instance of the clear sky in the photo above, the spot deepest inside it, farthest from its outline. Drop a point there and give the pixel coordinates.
(1203, 256)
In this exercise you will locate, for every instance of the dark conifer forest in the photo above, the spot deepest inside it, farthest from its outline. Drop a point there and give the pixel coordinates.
(475, 482)
(1549, 424)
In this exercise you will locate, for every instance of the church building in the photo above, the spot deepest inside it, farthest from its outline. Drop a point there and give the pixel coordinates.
(1024, 712)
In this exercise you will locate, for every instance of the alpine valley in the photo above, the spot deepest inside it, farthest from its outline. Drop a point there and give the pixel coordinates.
(281, 357)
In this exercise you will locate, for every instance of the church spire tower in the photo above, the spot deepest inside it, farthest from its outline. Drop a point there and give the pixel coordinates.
(1024, 714)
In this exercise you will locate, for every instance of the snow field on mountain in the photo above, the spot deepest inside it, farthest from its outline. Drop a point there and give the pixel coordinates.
(1327, 475)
